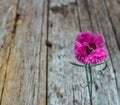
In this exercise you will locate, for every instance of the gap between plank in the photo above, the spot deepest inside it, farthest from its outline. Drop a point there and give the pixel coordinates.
(48, 5)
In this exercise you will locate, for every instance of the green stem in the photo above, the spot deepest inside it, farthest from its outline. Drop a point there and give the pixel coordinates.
(90, 73)
(86, 68)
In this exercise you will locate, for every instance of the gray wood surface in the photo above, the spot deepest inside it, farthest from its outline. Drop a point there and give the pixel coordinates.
(36, 45)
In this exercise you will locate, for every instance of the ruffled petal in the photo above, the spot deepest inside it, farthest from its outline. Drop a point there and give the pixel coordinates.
(84, 38)
(96, 56)
(80, 52)
(99, 40)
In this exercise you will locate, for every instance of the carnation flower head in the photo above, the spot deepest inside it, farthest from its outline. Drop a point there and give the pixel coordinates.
(89, 48)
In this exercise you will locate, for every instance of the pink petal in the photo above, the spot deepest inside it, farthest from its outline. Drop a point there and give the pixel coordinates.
(99, 40)
(84, 37)
(96, 56)
(80, 52)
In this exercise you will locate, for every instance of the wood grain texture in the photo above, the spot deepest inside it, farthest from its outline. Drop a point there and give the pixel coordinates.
(36, 45)
(7, 24)
(63, 25)
(23, 56)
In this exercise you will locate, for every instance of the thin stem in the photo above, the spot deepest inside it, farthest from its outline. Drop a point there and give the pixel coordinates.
(86, 68)
(90, 72)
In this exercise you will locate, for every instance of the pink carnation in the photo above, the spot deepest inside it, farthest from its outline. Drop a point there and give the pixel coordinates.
(88, 48)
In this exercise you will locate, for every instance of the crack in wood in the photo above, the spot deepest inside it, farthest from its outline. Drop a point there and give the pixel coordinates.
(40, 49)
(2, 46)
(16, 18)
(47, 50)
(9, 47)
(73, 95)
(78, 17)
(5, 76)
(15, 24)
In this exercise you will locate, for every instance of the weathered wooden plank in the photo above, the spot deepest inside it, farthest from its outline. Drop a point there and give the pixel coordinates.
(63, 25)
(114, 17)
(98, 10)
(112, 44)
(7, 23)
(100, 87)
(25, 67)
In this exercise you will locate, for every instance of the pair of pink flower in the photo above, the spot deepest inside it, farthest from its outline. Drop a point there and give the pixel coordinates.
(89, 48)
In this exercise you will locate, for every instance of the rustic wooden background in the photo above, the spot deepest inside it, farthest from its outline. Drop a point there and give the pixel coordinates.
(36, 44)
